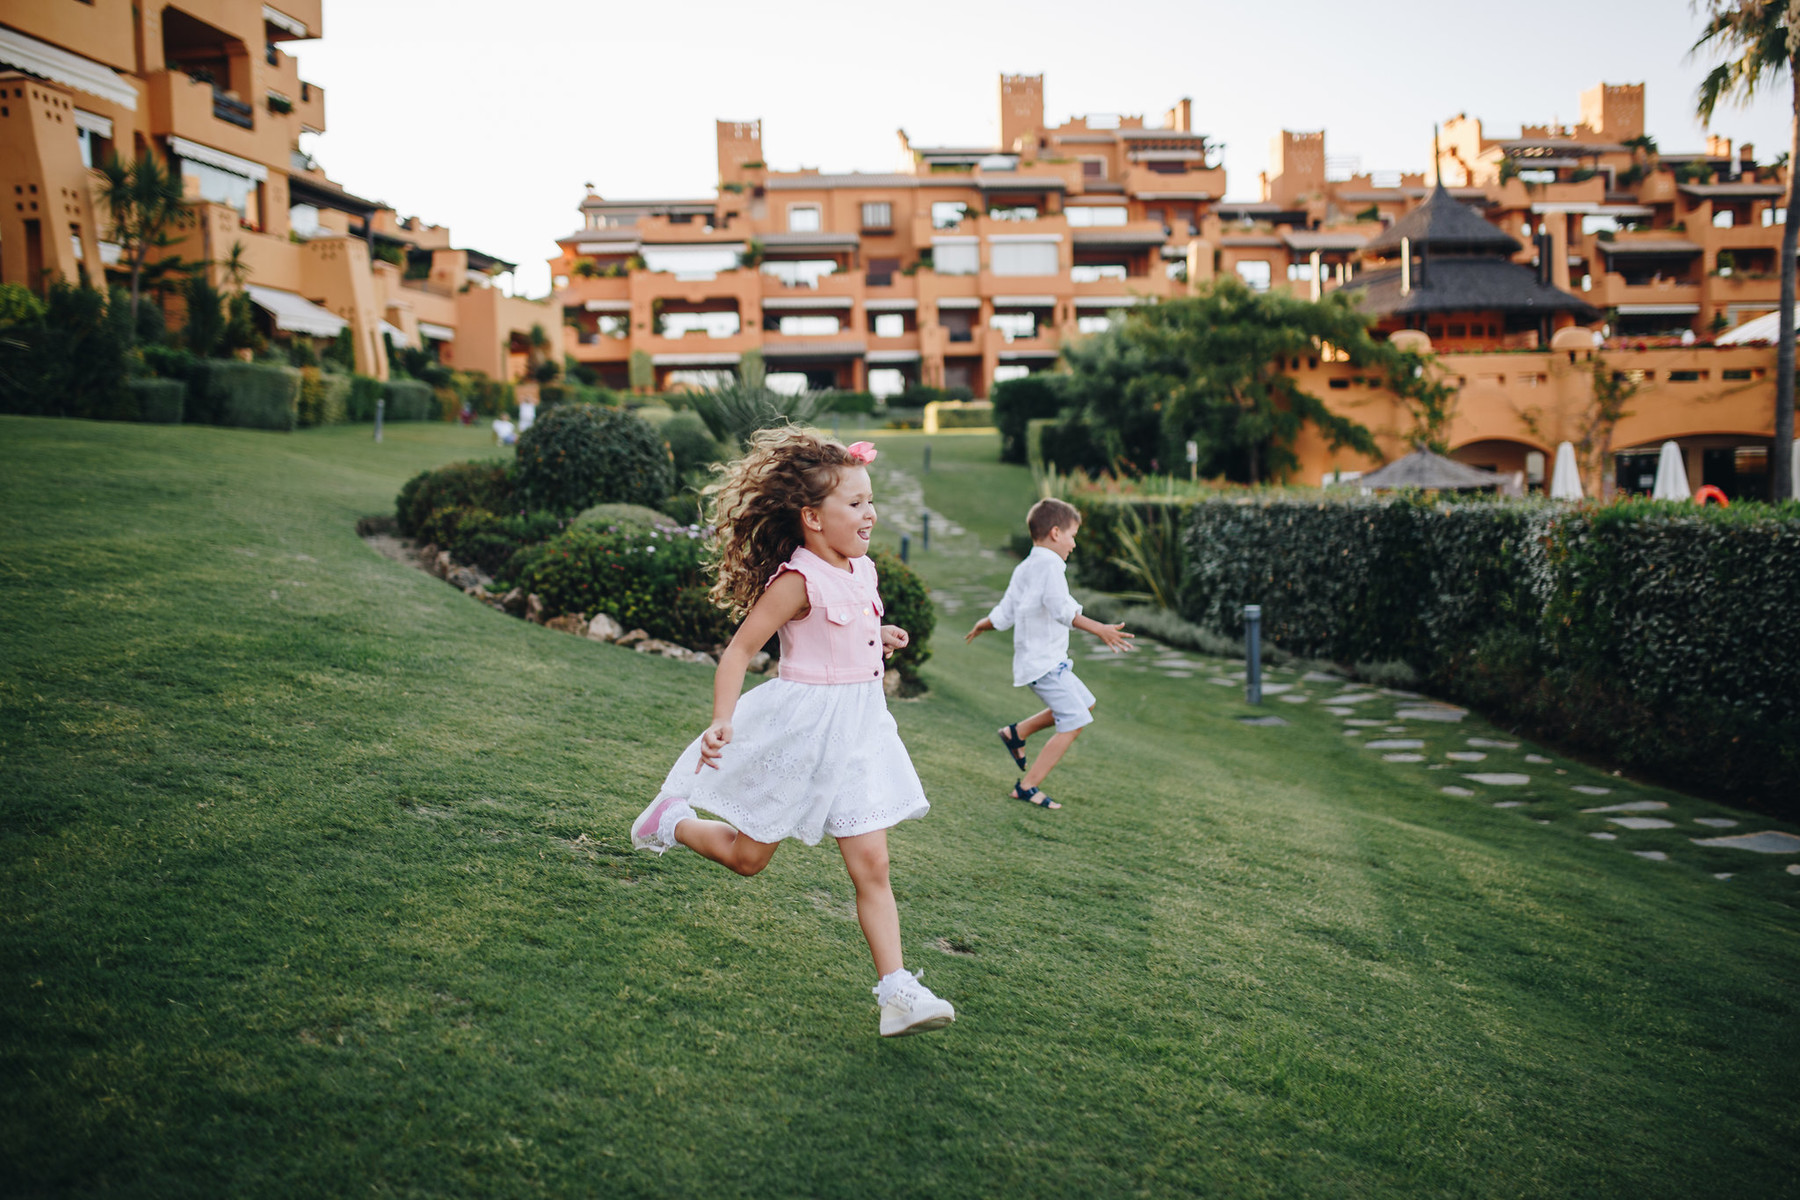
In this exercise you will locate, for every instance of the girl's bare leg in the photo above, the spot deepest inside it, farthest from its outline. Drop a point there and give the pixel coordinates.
(866, 858)
(724, 845)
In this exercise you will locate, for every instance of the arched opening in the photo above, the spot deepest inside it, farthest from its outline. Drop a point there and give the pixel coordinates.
(1524, 463)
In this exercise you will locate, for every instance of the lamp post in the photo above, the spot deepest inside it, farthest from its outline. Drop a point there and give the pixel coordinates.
(1253, 653)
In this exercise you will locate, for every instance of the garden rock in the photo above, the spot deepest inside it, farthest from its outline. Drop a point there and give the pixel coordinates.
(650, 645)
(1769, 841)
(467, 577)
(1467, 756)
(603, 627)
(443, 565)
(428, 556)
(1586, 790)
(632, 638)
(1446, 713)
(1537, 760)
(568, 623)
(759, 663)
(1604, 836)
(890, 684)
(1403, 757)
(514, 601)
(534, 609)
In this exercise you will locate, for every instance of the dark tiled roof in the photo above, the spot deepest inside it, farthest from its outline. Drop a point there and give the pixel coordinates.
(1467, 285)
(1448, 226)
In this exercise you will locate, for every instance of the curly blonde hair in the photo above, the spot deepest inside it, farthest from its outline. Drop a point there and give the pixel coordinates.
(755, 508)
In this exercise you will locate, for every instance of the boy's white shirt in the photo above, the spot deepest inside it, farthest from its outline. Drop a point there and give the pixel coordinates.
(1038, 608)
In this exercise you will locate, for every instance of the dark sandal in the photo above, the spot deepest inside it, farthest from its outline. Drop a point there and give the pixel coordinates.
(1033, 796)
(1015, 745)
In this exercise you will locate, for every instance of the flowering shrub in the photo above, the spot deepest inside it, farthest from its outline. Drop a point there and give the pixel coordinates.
(640, 577)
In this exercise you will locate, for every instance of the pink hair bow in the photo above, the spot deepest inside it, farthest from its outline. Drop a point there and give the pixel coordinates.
(862, 452)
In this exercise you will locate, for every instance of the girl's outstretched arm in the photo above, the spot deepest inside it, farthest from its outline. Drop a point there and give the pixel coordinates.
(780, 603)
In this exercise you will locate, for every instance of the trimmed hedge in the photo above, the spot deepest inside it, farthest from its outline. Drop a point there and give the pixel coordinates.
(1657, 634)
(906, 603)
(359, 405)
(159, 401)
(483, 485)
(1019, 402)
(324, 398)
(409, 400)
(244, 395)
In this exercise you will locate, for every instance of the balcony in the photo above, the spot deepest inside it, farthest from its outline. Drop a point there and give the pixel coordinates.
(1612, 291)
(838, 283)
(188, 108)
(1741, 287)
(1141, 181)
(310, 107)
(237, 112)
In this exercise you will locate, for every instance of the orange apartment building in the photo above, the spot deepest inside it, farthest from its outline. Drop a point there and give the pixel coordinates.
(210, 86)
(972, 264)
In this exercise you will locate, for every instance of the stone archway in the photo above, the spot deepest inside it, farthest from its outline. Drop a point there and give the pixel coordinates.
(1527, 462)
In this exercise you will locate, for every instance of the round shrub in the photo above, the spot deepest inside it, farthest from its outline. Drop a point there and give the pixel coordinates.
(634, 517)
(691, 444)
(636, 576)
(578, 455)
(908, 605)
(487, 485)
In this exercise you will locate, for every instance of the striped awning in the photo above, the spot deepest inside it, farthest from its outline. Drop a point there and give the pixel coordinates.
(296, 314)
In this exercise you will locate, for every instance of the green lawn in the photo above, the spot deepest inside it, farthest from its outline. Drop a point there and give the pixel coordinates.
(317, 881)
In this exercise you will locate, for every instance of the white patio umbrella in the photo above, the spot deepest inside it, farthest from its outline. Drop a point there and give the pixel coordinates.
(1671, 475)
(1565, 482)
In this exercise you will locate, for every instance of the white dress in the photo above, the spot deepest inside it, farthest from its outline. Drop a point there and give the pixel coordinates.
(808, 759)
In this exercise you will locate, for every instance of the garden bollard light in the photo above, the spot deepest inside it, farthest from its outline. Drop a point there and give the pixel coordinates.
(925, 531)
(905, 545)
(380, 408)
(1253, 653)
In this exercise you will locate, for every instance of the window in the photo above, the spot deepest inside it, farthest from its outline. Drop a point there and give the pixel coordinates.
(956, 258)
(1176, 270)
(691, 260)
(1255, 273)
(75, 242)
(1010, 371)
(220, 187)
(303, 219)
(890, 325)
(1093, 168)
(712, 324)
(881, 271)
(1099, 323)
(1014, 325)
(804, 272)
(697, 379)
(1724, 219)
(1591, 225)
(614, 325)
(1774, 215)
(811, 325)
(803, 218)
(1025, 258)
(1300, 272)
(1095, 272)
(948, 214)
(877, 214)
(1162, 167)
(1014, 212)
(786, 383)
(886, 381)
(1095, 214)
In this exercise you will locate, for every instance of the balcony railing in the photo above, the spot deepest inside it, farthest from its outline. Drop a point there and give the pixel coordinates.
(236, 112)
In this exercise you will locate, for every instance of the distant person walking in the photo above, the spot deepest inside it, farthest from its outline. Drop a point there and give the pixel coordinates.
(816, 751)
(1038, 608)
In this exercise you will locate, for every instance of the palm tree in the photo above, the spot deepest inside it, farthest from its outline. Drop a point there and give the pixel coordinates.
(144, 198)
(736, 408)
(1761, 40)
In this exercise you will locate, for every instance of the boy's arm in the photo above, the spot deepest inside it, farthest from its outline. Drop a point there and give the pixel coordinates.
(1114, 636)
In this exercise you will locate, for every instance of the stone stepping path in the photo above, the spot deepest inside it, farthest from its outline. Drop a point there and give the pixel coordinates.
(1223, 682)
(1355, 698)
(1394, 744)
(1361, 722)
(1453, 790)
(1509, 804)
(1769, 841)
(1652, 855)
(1403, 757)
(1321, 677)
(1640, 823)
(1716, 822)
(1262, 720)
(1465, 755)
(1793, 869)
(1605, 837)
(1400, 695)
(1341, 712)
(1179, 674)
(1434, 712)
(1631, 806)
(1589, 790)
(1491, 744)
(1296, 698)
(1500, 778)
(1537, 760)
(1275, 689)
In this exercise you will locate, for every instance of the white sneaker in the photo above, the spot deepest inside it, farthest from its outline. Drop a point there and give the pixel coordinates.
(908, 1006)
(654, 828)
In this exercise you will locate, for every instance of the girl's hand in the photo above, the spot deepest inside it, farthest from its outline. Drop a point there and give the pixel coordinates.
(893, 638)
(712, 744)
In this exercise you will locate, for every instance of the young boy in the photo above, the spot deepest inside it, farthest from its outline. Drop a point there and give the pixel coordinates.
(1037, 605)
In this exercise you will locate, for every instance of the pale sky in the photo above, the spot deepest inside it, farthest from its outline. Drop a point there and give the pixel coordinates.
(489, 117)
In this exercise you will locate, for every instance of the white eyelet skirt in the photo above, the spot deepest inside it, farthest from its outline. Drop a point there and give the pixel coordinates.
(806, 760)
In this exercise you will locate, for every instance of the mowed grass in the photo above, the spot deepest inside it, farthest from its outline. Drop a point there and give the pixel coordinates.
(317, 881)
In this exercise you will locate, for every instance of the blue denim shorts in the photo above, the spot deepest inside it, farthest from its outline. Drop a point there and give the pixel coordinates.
(1067, 698)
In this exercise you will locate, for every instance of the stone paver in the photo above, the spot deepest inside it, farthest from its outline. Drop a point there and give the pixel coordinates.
(1355, 698)
(1321, 677)
(1500, 778)
(1340, 712)
(1509, 803)
(1491, 744)
(1605, 837)
(1716, 822)
(1652, 855)
(1403, 757)
(1179, 674)
(1224, 682)
(1793, 869)
(1262, 720)
(1537, 760)
(1632, 806)
(1447, 714)
(1465, 755)
(1453, 790)
(1769, 841)
(1361, 722)
(1296, 698)
(1590, 790)
(1641, 823)
(1394, 744)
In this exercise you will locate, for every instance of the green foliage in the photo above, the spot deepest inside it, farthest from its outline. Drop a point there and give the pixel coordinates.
(484, 485)
(634, 517)
(247, 395)
(552, 394)
(359, 405)
(159, 401)
(1649, 632)
(1212, 369)
(852, 402)
(735, 410)
(486, 540)
(324, 398)
(67, 356)
(144, 198)
(906, 603)
(692, 446)
(577, 455)
(341, 353)
(1018, 402)
(637, 576)
(643, 371)
(975, 416)
(409, 400)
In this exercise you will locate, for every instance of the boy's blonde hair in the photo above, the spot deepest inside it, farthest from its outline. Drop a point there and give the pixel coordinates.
(1051, 513)
(755, 508)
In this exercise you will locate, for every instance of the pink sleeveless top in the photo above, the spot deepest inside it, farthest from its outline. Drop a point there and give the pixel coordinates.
(839, 639)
